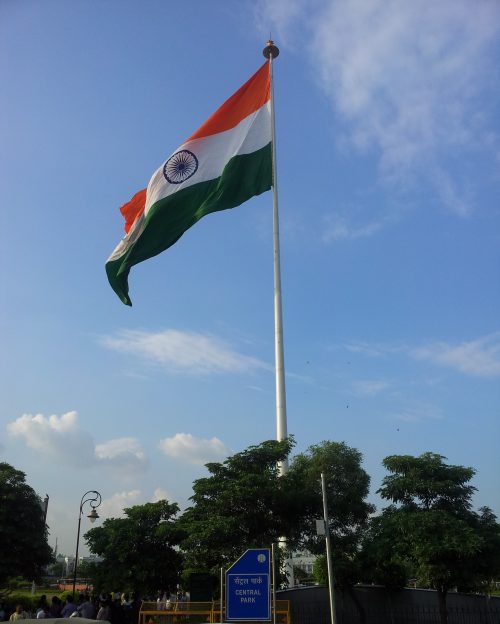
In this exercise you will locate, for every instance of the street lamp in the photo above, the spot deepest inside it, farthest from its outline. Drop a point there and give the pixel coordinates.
(94, 501)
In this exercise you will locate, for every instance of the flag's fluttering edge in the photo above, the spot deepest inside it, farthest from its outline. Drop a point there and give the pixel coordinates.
(224, 163)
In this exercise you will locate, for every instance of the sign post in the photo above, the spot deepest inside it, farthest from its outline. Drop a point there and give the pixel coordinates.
(248, 587)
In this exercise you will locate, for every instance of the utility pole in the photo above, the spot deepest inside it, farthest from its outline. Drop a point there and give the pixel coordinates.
(328, 551)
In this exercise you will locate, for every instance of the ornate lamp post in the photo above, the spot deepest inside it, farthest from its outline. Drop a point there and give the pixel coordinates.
(94, 501)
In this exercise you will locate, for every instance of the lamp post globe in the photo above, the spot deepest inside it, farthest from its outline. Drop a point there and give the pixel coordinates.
(93, 515)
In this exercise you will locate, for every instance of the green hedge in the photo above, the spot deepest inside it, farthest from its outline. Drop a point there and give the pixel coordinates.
(28, 601)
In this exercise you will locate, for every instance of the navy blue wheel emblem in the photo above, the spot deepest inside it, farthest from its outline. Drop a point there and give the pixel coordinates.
(180, 167)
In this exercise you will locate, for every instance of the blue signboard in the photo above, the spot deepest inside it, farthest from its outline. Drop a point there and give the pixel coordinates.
(247, 587)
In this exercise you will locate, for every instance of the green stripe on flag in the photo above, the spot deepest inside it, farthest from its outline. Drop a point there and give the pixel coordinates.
(167, 220)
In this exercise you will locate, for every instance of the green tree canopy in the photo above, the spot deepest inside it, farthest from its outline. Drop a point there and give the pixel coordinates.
(483, 568)
(426, 482)
(242, 504)
(347, 486)
(432, 525)
(23, 533)
(139, 551)
(383, 561)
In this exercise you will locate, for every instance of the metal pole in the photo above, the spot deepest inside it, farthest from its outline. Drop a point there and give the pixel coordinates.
(273, 577)
(95, 501)
(222, 595)
(271, 52)
(76, 555)
(328, 550)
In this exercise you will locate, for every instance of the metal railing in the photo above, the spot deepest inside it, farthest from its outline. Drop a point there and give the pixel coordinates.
(282, 612)
(197, 613)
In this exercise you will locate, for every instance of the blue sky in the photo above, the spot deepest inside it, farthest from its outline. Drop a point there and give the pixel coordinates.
(389, 173)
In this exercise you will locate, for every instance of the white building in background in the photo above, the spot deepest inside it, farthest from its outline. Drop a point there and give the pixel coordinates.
(69, 563)
(60, 559)
(304, 561)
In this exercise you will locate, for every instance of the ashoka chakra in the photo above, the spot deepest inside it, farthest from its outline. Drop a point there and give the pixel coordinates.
(180, 167)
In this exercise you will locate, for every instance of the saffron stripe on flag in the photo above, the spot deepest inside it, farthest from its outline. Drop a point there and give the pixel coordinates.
(249, 98)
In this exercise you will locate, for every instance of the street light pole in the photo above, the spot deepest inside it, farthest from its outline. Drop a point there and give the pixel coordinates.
(94, 501)
(331, 593)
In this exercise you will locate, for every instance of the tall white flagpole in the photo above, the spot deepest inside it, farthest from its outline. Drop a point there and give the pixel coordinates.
(271, 52)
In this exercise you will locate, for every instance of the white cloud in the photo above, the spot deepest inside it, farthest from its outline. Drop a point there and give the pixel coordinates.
(339, 228)
(255, 388)
(113, 507)
(414, 81)
(187, 352)
(160, 494)
(480, 358)
(418, 413)
(61, 439)
(456, 200)
(368, 349)
(123, 453)
(192, 450)
(370, 388)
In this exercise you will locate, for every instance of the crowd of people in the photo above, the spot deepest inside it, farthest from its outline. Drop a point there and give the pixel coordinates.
(116, 608)
(167, 599)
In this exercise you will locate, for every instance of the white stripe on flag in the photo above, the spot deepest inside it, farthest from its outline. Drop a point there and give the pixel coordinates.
(213, 153)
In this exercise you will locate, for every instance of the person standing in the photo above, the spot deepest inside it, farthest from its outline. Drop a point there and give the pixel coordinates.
(126, 608)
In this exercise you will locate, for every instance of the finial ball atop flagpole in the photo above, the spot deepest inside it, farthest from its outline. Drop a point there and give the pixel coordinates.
(270, 51)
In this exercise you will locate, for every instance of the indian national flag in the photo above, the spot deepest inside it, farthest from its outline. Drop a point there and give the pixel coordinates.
(221, 165)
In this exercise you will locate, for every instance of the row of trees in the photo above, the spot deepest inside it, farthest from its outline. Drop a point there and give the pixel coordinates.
(428, 530)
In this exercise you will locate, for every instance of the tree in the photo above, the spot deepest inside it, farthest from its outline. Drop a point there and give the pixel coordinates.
(245, 503)
(139, 550)
(382, 561)
(432, 524)
(85, 569)
(23, 533)
(484, 567)
(242, 504)
(300, 575)
(347, 486)
(57, 569)
(320, 570)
